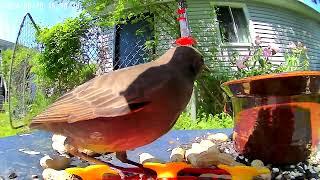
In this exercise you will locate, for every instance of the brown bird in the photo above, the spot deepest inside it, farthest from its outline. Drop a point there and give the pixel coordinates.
(127, 108)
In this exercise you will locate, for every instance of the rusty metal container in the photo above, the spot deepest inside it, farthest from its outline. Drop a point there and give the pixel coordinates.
(276, 116)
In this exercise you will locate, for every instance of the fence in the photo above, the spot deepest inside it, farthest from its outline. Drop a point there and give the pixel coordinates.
(138, 40)
(21, 89)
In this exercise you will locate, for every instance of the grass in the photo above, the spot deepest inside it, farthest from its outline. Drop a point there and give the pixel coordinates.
(5, 128)
(217, 121)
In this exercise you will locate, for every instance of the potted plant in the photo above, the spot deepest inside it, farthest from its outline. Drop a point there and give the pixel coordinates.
(276, 108)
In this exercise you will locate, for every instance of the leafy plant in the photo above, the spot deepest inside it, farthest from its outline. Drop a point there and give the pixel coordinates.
(258, 61)
(221, 120)
(61, 67)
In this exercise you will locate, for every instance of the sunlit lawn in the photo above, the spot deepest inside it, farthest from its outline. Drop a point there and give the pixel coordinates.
(5, 128)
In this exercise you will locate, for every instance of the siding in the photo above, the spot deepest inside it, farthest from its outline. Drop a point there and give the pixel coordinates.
(273, 24)
(281, 26)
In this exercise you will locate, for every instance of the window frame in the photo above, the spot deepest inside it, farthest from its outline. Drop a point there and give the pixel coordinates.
(247, 18)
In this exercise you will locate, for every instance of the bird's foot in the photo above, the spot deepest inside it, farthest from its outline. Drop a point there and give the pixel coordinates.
(122, 170)
(122, 156)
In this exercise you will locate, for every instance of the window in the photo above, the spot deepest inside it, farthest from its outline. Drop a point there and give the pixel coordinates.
(233, 24)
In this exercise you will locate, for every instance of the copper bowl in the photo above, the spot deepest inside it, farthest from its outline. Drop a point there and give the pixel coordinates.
(276, 116)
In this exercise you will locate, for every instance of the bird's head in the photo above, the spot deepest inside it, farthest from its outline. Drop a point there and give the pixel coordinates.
(187, 60)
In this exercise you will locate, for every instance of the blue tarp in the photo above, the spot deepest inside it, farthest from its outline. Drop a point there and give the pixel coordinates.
(25, 165)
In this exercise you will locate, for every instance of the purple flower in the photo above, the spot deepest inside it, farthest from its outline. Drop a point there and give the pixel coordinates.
(240, 62)
(267, 52)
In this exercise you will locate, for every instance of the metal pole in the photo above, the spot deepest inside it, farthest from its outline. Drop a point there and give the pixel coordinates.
(185, 32)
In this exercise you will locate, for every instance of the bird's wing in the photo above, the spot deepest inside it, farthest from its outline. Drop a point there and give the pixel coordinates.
(104, 98)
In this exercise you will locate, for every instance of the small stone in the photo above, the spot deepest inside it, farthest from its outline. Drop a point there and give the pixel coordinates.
(12, 175)
(55, 162)
(60, 147)
(292, 166)
(146, 157)
(51, 174)
(257, 163)
(241, 157)
(279, 177)
(275, 170)
(177, 155)
(58, 138)
(287, 176)
(300, 169)
(318, 156)
(206, 143)
(218, 137)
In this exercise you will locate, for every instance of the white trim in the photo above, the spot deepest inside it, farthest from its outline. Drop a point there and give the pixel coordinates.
(236, 44)
(247, 17)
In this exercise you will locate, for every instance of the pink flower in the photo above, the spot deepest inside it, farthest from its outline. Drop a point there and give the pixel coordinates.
(240, 62)
(267, 52)
(257, 40)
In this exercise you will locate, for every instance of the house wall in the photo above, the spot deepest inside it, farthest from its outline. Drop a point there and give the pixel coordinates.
(273, 23)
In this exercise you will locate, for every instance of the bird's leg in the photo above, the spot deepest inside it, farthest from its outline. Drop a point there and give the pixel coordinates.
(122, 156)
(73, 151)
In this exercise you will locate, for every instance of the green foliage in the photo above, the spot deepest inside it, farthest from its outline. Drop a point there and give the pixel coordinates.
(22, 55)
(159, 14)
(295, 59)
(258, 62)
(5, 128)
(60, 66)
(221, 120)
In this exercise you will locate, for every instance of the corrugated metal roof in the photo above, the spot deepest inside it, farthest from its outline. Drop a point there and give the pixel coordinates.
(6, 44)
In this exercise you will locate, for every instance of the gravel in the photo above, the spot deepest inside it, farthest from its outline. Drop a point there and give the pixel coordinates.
(302, 170)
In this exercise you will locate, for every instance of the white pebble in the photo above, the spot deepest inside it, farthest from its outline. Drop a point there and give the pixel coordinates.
(146, 157)
(206, 143)
(275, 170)
(279, 177)
(60, 147)
(177, 155)
(51, 174)
(218, 137)
(58, 138)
